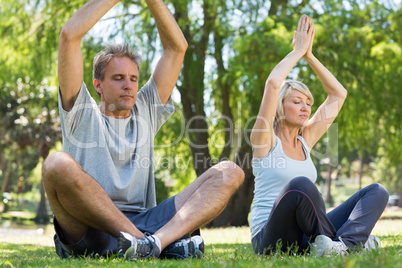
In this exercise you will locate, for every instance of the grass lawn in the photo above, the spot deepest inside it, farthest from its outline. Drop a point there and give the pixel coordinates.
(225, 247)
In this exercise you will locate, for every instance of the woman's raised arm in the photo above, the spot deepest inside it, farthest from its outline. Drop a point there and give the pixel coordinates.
(262, 136)
(329, 109)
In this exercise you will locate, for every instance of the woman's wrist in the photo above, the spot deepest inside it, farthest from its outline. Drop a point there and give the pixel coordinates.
(298, 53)
(309, 57)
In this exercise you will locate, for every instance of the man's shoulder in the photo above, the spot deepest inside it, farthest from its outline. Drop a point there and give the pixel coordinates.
(83, 109)
(149, 87)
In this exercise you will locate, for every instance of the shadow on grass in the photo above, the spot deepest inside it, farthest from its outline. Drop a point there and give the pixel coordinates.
(391, 217)
(7, 248)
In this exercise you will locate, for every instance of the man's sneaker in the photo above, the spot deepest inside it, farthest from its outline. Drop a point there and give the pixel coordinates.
(133, 248)
(192, 247)
(373, 242)
(326, 247)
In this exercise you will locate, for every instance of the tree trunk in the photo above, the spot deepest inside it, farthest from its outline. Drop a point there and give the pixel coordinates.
(400, 199)
(275, 6)
(360, 172)
(6, 178)
(328, 198)
(41, 213)
(192, 88)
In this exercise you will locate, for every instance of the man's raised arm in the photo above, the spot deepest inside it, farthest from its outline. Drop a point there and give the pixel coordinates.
(70, 63)
(174, 47)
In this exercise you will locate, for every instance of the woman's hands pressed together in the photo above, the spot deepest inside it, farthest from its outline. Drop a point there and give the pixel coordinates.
(304, 36)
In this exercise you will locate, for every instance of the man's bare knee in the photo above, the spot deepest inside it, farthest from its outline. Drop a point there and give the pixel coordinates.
(57, 165)
(233, 175)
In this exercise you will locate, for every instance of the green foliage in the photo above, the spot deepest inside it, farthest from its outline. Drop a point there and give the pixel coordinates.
(28, 124)
(353, 55)
(389, 174)
(29, 96)
(172, 155)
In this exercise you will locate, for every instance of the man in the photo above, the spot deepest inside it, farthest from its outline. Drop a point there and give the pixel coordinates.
(102, 196)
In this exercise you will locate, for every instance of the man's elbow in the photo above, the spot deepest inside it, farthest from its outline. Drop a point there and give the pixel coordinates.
(68, 35)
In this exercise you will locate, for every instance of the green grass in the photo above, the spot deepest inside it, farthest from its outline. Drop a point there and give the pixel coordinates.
(225, 247)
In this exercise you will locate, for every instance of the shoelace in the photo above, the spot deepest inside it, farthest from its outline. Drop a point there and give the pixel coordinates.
(183, 247)
(146, 248)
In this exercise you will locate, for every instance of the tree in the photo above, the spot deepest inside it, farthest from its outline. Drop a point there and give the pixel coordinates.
(29, 127)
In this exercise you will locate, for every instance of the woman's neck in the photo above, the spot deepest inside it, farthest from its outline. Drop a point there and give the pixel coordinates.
(288, 135)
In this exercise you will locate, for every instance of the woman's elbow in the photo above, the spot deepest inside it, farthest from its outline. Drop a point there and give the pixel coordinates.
(273, 83)
(342, 94)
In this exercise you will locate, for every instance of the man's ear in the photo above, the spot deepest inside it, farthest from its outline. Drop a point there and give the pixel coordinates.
(97, 85)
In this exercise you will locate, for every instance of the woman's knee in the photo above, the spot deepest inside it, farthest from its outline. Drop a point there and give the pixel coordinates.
(381, 193)
(303, 184)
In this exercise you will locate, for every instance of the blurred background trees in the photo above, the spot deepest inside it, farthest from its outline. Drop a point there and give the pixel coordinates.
(233, 46)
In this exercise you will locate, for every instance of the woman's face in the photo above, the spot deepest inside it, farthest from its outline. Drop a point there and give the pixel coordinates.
(297, 109)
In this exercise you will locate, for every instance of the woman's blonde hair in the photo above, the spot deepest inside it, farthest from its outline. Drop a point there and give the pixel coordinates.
(284, 91)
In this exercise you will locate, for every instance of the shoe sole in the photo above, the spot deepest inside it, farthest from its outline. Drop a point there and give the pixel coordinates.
(321, 244)
(374, 244)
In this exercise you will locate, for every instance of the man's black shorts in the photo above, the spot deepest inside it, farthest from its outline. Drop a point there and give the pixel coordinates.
(97, 242)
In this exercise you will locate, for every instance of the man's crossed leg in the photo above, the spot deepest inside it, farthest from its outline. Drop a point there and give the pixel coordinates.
(81, 206)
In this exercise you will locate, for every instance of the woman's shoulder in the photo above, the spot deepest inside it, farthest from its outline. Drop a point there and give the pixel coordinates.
(304, 143)
(277, 144)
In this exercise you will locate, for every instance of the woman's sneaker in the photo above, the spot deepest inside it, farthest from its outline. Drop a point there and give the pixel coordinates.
(373, 242)
(324, 246)
(134, 249)
(192, 247)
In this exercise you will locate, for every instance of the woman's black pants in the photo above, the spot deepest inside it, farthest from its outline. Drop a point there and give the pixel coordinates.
(298, 216)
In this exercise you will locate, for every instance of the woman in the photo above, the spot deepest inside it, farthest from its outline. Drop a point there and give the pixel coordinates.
(288, 210)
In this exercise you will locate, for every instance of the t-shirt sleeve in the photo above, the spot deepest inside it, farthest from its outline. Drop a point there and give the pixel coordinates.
(148, 98)
(82, 105)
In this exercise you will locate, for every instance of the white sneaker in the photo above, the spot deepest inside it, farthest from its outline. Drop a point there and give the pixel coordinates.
(373, 242)
(324, 246)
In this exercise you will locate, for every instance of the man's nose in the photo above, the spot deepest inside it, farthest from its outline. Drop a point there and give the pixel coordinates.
(128, 83)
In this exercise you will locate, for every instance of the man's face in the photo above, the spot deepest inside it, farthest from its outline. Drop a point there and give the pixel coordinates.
(119, 87)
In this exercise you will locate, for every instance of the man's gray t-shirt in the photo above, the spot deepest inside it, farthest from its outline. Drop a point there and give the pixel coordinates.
(117, 153)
